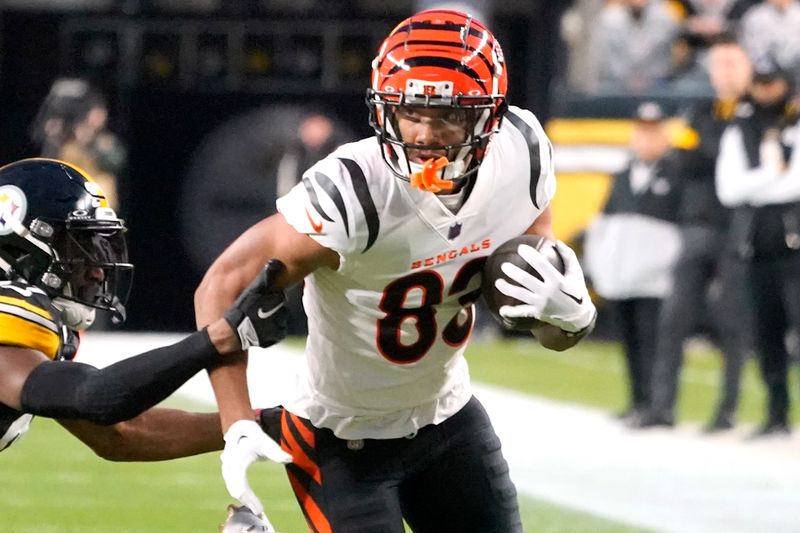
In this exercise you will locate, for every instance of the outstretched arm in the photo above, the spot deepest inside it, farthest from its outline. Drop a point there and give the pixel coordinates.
(156, 435)
(72, 390)
(32, 383)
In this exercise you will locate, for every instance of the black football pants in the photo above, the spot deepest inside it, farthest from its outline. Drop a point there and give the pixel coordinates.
(450, 477)
(707, 283)
(775, 293)
(636, 320)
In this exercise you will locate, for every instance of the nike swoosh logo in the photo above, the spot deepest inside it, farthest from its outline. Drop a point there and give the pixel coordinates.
(575, 299)
(316, 226)
(266, 314)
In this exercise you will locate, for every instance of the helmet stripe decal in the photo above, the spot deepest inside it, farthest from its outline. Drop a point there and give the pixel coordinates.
(442, 62)
(461, 46)
(333, 192)
(365, 199)
(446, 26)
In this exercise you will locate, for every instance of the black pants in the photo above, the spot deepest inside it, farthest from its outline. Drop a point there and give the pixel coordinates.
(707, 283)
(775, 295)
(636, 320)
(448, 477)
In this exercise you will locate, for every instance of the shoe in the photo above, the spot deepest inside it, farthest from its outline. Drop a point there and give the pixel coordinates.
(627, 414)
(721, 422)
(649, 419)
(772, 429)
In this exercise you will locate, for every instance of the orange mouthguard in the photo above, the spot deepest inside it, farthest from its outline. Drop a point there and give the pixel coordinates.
(428, 180)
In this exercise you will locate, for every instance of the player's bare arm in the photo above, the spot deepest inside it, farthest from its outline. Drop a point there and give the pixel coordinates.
(272, 238)
(158, 434)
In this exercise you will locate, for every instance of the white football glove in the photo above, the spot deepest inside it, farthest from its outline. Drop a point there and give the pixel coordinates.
(559, 299)
(246, 443)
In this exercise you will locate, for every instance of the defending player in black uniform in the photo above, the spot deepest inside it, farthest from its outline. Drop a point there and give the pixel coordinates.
(62, 256)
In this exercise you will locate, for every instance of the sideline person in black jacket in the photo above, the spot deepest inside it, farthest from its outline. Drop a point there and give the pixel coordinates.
(708, 281)
(758, 174)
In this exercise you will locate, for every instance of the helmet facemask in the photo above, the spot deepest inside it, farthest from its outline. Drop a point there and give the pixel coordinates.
(476, 116)
(90, 269)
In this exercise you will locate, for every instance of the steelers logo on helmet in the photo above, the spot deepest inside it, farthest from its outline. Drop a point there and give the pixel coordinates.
(13, 207)
(443, 60)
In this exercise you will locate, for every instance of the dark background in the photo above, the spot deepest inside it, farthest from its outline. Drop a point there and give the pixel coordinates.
(163, 118)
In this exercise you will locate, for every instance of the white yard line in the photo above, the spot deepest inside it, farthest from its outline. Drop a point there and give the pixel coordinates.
(665, 480)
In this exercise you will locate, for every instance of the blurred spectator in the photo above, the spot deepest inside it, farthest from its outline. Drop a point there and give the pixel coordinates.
(632, 45)
(704, 21)
(631, 247)
(480, 9)
(576, 31)
(71, 126)
(242, 168)
(771, 31)
(758, 174)
(709, 281)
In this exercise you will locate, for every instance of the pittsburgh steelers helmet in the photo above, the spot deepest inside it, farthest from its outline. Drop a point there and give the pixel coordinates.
(55, 224)
(439, 58)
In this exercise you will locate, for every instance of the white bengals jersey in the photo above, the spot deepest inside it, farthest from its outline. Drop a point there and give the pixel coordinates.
(388, 329)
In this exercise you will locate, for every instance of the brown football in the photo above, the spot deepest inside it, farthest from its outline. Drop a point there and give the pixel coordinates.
(507, 252)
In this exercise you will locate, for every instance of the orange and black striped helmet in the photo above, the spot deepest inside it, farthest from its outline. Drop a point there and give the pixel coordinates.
(439, 58)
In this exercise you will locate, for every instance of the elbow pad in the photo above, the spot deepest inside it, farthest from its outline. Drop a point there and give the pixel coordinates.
(64, 389)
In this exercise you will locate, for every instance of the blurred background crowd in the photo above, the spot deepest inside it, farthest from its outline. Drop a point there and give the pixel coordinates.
(196, 115)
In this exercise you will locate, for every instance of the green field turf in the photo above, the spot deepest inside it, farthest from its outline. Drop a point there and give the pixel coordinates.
(52, 484)
(593, 374)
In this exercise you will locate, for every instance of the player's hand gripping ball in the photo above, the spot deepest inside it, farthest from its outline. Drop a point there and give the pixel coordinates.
(492, 270)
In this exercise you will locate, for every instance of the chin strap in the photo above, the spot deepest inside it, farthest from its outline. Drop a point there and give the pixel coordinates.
(428, 179)
(75, 315)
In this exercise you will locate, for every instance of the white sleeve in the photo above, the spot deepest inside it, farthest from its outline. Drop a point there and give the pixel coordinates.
(318, 206)
(786, 188)
(540, 152)
(737, 183)
(546, 188)
(333, 205)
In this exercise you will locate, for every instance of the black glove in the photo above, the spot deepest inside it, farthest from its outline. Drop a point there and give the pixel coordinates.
(259, 314)
(270, 421)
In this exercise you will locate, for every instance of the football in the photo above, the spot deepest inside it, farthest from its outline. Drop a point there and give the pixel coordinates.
(507, 252)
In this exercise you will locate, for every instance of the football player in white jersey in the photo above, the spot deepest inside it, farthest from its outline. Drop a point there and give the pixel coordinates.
(390, 238)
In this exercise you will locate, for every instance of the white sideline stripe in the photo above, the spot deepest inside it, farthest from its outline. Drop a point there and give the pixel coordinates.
(664, 480)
